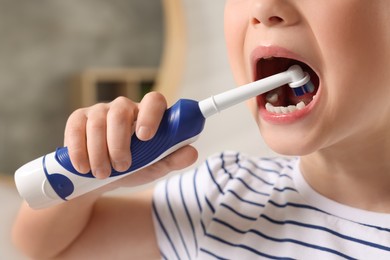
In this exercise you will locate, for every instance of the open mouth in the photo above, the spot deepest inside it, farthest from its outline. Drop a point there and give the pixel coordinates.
(282, 100)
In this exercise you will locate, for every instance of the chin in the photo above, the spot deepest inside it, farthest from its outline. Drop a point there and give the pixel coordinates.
(289, 143)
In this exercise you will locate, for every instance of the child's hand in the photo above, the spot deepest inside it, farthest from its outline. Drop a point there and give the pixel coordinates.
(99, 136)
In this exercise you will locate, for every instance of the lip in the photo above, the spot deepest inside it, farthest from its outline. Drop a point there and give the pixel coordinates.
(276, 51)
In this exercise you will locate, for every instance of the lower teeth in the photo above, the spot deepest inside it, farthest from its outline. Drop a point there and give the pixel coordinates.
(284, 110)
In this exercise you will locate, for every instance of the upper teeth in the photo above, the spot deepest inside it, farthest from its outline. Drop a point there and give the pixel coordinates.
(268, 57)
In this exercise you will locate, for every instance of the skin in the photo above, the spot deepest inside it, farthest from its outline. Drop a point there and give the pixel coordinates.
(343, 138)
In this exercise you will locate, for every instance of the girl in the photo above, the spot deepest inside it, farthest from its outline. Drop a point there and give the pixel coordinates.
(331, 201)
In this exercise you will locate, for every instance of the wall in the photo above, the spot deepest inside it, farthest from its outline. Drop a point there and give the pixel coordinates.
(44, 43)
(208, 73)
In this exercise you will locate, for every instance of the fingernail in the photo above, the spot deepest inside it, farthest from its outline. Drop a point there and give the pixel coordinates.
(83, 168)
(121, 166)
(100, 173)
(143, 132)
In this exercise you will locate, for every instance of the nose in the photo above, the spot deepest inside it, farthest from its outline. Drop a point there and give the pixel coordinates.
(274, 13)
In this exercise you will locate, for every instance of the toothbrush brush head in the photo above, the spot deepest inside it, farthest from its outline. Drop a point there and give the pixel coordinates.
(300, 81)
(306, 88)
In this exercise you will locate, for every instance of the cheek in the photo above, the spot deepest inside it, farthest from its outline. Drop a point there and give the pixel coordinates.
(354, 38)
(252, 105)
(355, 51)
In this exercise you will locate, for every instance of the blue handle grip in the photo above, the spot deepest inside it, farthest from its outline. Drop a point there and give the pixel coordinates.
(180, 122)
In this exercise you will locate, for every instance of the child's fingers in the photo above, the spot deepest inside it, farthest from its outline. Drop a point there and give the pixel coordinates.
(99, 136)
(75, 140)
(96, 141)
(178, 160)
(151, 110)
(120, 119)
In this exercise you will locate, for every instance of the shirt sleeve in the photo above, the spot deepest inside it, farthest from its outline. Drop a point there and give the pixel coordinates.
(184, 206)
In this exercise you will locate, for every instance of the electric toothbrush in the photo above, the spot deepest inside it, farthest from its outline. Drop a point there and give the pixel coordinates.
(52, 179)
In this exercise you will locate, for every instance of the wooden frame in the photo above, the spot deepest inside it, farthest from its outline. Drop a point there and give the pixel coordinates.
(7, 180)
(85, 91)
(90, 86)
(173, 59)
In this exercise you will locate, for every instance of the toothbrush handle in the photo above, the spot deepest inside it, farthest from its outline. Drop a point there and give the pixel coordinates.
(52, 178)
(180, 122)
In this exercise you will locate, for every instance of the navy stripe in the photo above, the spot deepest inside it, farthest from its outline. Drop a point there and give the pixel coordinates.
(255, 176)
(212, 254)
(203, 227)
(223, 166)
(273, 161)
(290, 167)
(222, 160)
(284, 240)
(213, 179)
(264, 169)
(163, 256)
(282, 165)
(376, 227)
(285, 175)
(285, 189)
(196, 190)
(188, 214)
(237, 158)
(209, 204)
(164, 229)
(246, 201)
(295, 205)
(238, 213)
(295, 223)
(250, 249)
(174, 218)
(278, 164)
(251, 189)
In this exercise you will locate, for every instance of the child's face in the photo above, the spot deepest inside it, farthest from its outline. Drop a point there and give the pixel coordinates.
(345, 47)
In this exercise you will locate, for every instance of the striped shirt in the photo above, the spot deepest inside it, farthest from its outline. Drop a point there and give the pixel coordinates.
(238, 207)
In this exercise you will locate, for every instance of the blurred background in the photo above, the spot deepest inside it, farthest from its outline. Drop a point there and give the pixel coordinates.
(58, 55)
(46, 45)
